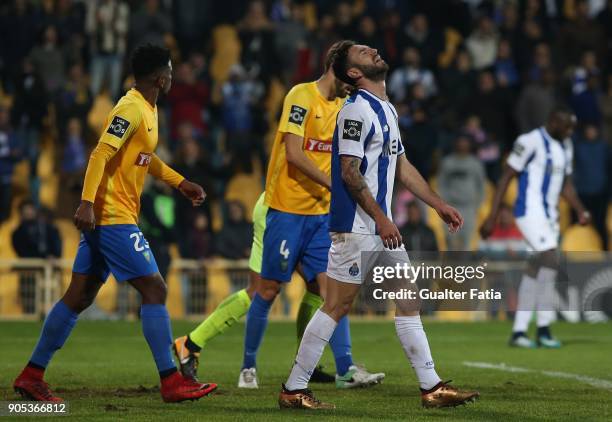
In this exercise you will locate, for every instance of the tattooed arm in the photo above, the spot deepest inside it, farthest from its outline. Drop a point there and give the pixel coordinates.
(358, 188)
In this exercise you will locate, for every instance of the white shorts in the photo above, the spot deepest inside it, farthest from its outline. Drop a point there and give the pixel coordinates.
(344, 258)
(540, 233)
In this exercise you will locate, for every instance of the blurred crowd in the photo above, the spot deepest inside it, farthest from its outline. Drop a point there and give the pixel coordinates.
(466, 76)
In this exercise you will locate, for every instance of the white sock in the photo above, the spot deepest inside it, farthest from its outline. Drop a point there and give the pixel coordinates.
(414, 342)
(317, 334)
(546, 314)
(526, 304)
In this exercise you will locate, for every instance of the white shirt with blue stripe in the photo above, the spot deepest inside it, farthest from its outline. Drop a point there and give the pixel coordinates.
(542, 163)
(366, 128)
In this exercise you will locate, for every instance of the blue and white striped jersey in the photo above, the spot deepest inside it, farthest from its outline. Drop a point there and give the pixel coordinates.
(542, 163)
(366, 128)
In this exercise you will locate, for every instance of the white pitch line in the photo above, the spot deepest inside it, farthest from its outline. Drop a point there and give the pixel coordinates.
(594, 382)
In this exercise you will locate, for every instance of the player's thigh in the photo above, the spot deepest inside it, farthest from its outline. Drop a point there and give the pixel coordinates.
(398, 282)
(254, 279)
(127, 252)
(316, 248)
(350, 256)
(282, 245)
(339, 298)
(540, 233)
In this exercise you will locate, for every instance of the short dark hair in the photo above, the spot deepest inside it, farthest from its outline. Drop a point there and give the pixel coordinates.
(148, 59)
(340, 62)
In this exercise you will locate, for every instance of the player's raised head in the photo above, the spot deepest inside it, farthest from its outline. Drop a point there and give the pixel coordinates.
(342, 89)
(151, 64)
(355, 62)
(561, 123)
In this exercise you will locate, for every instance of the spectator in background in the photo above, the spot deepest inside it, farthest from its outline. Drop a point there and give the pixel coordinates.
(410, 73)
(345, 25)
(367, 34)
(107, 27)
(461, 182)
(587, 68)
(240, 95)
(487, 148)
(580, 34)
(593, 164)
(29, 111)
(482, 43)
(199, 241)
(257, 39)
(586, 103)
(530, 39)
(536, 101)
(419, 136)
(493, 105)
(429, 43)
(74, 99)
(234, 239)
(73, 165)
(35, 237)
(458, 84)
(540, 62)
(18, 30)
(505, 68)
(10, 153)
(291, 36)
(416, 235)
(506, 239)
(187, 98)
(149, 25)
(157, 220)
(48, 60)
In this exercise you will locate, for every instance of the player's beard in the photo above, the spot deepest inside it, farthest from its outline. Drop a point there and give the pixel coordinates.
(375, 72)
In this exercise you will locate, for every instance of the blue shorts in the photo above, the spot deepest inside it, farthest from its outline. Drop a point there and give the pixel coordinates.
(290, 239)
(118, 248)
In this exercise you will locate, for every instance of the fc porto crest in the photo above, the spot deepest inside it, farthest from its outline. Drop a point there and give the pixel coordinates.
(354, 270)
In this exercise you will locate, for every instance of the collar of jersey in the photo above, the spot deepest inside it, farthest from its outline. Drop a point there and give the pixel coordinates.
(138, 94)
(372, 94)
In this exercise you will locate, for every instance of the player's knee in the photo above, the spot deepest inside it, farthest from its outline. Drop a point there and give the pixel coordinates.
(336, 310)
(155, 292)
(268, 290)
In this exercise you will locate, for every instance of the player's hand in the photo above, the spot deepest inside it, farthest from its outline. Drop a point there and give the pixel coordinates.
(584, 218)
(487, 227)
(451, 217)
(84, 218)
(388, 232)
(193, 192)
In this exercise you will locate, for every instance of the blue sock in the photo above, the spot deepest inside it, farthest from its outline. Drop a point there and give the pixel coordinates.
(56, 329)
(157, 331)
(256, 323)
(340, 343)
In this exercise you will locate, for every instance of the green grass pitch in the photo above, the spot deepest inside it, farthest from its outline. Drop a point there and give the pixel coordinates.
(106, 372)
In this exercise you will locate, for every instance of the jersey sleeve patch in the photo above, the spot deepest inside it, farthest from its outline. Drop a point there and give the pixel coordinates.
(297, 115)
(118, 127)
(518, 149)
(351, 130)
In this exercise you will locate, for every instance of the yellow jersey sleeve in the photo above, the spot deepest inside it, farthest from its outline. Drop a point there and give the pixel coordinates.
(296, 109)
(121, 124)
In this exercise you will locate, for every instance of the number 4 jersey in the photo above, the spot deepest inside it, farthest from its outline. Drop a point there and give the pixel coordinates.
(367, 128)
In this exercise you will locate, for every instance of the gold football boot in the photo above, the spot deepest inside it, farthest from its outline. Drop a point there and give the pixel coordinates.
(445, 395)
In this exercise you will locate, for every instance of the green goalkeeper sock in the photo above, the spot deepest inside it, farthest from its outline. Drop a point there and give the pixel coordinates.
(310, 303)
(227, 314)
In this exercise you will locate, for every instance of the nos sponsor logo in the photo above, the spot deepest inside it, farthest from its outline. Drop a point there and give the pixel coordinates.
(318, 146)
(143, 159)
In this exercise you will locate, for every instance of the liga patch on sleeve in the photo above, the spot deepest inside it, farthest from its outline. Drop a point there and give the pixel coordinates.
(518, 149)
(352, 130)
(118, 127)
(297, 115)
